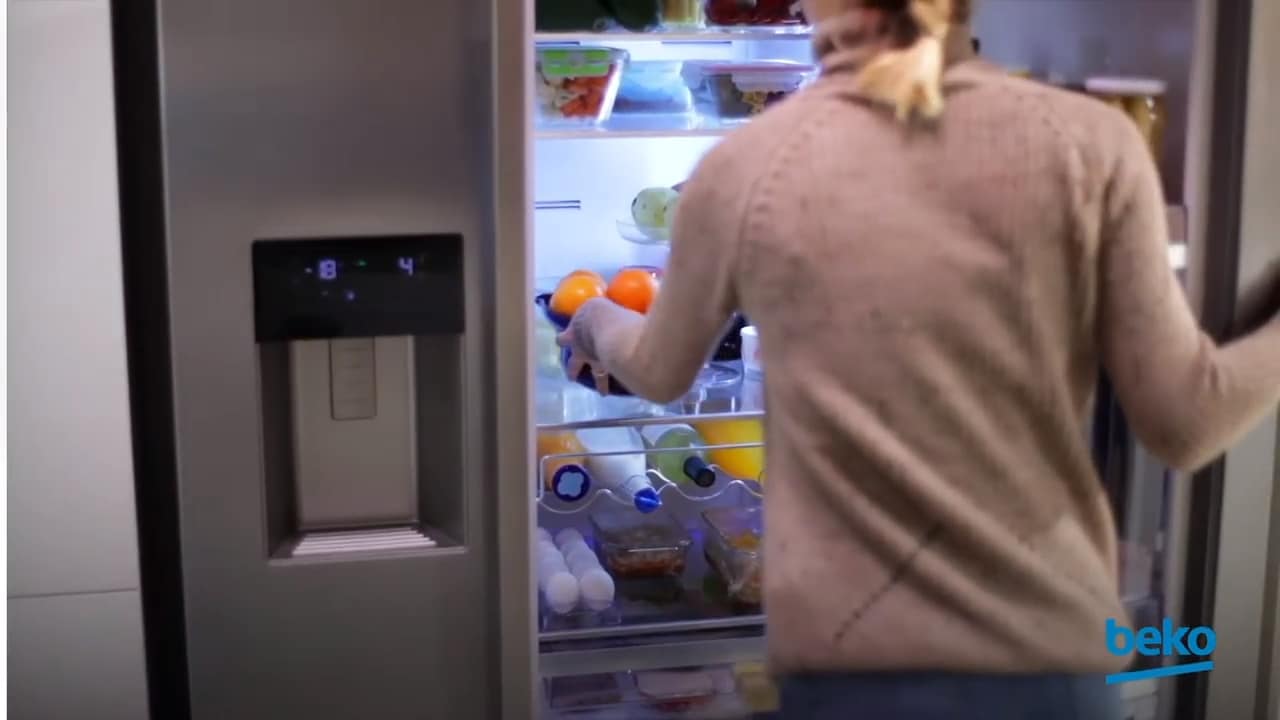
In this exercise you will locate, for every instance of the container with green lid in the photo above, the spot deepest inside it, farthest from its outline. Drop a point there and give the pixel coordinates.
(576, 85)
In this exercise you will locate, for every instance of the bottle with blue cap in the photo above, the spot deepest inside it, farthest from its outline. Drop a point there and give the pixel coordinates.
(621, 469)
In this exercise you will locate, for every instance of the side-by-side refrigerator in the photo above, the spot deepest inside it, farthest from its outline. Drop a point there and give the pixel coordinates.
(366, 487)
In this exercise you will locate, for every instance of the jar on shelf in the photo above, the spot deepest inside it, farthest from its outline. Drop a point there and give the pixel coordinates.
(754, 12)
(683, 14)
(1142, 99)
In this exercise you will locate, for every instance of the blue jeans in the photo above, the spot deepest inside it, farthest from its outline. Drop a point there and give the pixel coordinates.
(947, 696)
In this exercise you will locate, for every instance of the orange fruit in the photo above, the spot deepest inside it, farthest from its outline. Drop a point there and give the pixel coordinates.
(633, 288)
(574, 290)
(588, 273)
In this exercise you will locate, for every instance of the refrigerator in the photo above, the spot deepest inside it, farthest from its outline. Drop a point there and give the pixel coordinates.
(358, 460)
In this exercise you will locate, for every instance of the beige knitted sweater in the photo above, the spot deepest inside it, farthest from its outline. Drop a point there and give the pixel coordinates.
(934, 305)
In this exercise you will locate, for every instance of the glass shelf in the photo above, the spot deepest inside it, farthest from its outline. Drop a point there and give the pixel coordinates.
(638, 125)
(563, 405)
(618, 696)
(708, 35)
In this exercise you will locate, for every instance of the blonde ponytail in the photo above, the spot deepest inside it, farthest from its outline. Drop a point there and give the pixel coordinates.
(910, 78)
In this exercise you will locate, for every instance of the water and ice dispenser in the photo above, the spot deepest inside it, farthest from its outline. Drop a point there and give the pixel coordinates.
(361, 358)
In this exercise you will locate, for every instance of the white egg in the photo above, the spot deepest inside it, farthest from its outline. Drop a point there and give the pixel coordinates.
(583, 566)
(553, 561)
(547, 548)
(542, 534)
(567, 535)
(597, 589)
(562, 593)
(573, 546)
(580, 556)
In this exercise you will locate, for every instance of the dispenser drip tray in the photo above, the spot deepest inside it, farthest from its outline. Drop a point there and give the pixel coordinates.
(361, 541)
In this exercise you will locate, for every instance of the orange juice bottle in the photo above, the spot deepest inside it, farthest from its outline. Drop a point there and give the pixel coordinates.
(564, 477)
(744, 463)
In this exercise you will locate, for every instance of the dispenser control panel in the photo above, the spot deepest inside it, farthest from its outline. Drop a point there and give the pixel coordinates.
(357, 287)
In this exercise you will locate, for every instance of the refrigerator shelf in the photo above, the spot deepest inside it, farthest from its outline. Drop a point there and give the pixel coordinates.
(687, 649)
(717, 35)
(645, 125)
(724, 701)
(583, 409)
(639, 631)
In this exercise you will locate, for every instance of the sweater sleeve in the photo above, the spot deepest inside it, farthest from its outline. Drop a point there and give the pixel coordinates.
(1187, 399)
(657, 356)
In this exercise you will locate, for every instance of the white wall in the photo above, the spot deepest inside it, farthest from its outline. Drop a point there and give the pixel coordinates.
(75, 625)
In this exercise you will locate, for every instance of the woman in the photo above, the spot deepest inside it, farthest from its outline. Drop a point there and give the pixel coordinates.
(938, 257)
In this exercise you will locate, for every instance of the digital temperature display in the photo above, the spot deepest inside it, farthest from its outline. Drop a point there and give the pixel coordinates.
(356, 287)
(332, 269)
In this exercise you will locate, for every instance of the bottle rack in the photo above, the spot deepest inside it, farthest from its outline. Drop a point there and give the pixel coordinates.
(668, 490)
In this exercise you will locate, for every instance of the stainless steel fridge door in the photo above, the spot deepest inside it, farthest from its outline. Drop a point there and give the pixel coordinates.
(347, 118)
(1224, 551)
(1245, 682)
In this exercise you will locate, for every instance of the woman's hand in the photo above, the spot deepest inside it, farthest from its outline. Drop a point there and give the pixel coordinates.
(578, 338)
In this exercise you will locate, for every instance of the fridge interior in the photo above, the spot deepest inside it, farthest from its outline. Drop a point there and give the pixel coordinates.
(693, 616)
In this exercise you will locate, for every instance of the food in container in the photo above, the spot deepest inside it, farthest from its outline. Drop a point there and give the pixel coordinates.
(754, 12)
(653, 87)
(577, 85)
(635, 545)
(1142, 99)
(733, 549)
(739, 91)
(581, 691)
(678, 691)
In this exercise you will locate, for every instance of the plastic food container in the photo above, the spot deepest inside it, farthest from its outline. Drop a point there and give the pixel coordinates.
(680, 691)
(584, 691)
(754, 12)
(739, 91)
(577, 85)
(653, 87)
(733, 548)
(634, 545)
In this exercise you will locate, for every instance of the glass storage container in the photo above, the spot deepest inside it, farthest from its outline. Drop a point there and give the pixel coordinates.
(739, 91)
(634, 544)
(576, 85)
(733, 549)
(653, 87)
